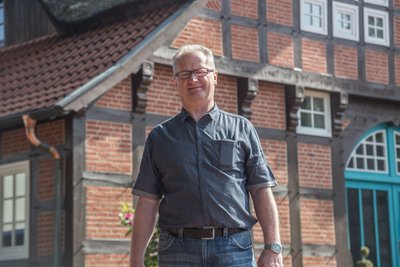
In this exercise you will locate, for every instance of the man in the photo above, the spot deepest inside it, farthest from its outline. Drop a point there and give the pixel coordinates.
(197, 171)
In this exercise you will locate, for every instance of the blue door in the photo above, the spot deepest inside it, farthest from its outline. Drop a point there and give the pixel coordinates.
(373, 196)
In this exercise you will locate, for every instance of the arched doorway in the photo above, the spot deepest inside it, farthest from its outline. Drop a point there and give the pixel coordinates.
(373, 195)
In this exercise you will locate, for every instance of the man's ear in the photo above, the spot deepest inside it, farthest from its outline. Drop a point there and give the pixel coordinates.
(215, 74)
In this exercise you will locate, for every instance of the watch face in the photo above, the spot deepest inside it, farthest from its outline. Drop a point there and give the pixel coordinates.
(275, 247)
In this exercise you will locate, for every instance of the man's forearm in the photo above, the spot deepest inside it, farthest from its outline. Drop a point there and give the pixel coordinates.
(143, 226)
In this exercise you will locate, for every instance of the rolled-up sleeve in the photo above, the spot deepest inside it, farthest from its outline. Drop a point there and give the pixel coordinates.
(148, 182)
(258, 171)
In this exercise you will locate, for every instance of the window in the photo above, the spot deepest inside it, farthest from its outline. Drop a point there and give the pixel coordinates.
(370, 155)
(314, 16)
(397, 149)
(1, 22)
(376, 27)
(314, 114)
(345, 24)
(14, 211)
(378, 2)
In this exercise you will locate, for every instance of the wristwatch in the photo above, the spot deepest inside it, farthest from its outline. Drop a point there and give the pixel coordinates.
(274, 247)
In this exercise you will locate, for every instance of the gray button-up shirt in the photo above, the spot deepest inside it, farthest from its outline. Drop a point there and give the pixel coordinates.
(202, 171)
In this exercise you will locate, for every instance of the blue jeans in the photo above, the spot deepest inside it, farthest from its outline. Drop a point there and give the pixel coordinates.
(235, 250)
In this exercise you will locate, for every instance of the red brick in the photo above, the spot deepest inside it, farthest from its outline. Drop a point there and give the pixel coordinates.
(269, 106)
(397, 3)
(51, 133)
(214, 4)
(313, 56)
(280, 12)
(319, 261)
(315, 166)
(280, 50)
(13, 142)
(317, 222)
(376, 66)
(226, 93)
(397, 69)
(244, 43)
(45, 233)
(45, 182)
(346, 62)
(102, 209)
(202, 31)
(108, 147)
(119, 97)
(244, 8)
(106, 260)
(276, 154)
(397, 31)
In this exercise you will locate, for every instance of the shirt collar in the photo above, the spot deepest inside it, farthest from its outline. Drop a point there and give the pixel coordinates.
(213, 113)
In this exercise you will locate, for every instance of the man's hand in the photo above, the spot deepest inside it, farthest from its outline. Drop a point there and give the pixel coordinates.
(269, 259)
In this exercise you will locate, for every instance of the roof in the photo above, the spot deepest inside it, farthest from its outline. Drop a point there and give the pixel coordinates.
(61, 71)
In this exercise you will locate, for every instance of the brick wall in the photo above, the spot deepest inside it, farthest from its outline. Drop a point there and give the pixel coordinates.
(315, 166)
(163, 97)
(269, 106)
(102, 208)
(13, 142)
(106, 260)
(202, 31)
(396, 3)
(319, 262)
(226, 93)
(346, 62)
(313, 56)
(45, 233)
(280, 12)
(244, 43)
(275, 152)
(376, 66)
(280, 50)
(317, 226)
(108, 147)
(397, 31)
(45, 180)
(119, 97)
(397, 69)
(244, 8)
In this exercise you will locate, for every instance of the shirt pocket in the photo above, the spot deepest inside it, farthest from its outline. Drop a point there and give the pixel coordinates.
(226, 154)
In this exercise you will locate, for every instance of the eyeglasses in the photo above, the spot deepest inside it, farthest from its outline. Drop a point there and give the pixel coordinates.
(186, 74)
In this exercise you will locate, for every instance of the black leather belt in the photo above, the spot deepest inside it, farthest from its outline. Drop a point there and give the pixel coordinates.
(207, 232)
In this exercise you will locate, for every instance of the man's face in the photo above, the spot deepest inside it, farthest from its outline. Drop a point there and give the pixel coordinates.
(195, 91)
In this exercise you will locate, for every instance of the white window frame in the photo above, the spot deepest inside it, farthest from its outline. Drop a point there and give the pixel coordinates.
(15, 252)
(352, 10)
(327, 113)
(396, 146)
(378, 2)
(377, 14)
(366, 157)
(324, 17)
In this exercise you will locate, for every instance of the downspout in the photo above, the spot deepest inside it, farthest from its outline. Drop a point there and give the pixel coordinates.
(30, 125)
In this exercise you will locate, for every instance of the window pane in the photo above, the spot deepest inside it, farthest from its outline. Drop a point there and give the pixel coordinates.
(354, 223)
(381, 165)
(370, 164)
(371, 32)
(369, 223)
(20, 185)
(305, 119)
(370, 139)
(379, 34)
(379, 137)
(20, 209)
(384, 227)
(6, 238)
(8, 187)
(308, 8)
(360, 163)
(398, 139)
(351, 163)
(319, 22)
(360, 149)
(380, 151)
(398, 166)
(19, 234)
(370, 150)
(318, 9)
(319, 121)
(306, 103)
(379, 22)
(371, 21)
(8, 211)
(318, 104)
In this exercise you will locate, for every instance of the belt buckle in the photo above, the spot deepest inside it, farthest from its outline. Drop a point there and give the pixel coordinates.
(212, 235)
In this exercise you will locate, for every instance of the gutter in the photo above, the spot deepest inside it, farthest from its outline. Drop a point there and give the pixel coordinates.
(30, 125)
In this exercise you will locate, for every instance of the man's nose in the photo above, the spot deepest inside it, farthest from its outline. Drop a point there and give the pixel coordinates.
(193, 76)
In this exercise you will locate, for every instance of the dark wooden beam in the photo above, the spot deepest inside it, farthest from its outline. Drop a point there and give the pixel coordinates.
(247, 90)
(140, 85)
(294, 100)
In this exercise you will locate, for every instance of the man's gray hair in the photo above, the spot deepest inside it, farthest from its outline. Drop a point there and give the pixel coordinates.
(190, 49)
